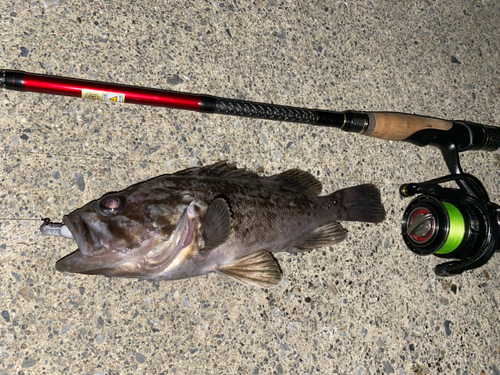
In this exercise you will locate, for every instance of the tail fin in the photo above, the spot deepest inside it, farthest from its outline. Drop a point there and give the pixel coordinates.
(359, 203)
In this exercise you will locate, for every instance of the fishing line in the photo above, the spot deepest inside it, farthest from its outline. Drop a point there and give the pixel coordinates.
(456, 229)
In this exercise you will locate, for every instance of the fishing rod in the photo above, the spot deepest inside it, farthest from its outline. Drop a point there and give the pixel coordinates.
(419, 130)
(452, 223)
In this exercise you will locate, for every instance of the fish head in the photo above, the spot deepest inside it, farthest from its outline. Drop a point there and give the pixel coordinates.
(133, 233)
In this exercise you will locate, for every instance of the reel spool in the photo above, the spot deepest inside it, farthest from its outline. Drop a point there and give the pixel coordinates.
(451, 223)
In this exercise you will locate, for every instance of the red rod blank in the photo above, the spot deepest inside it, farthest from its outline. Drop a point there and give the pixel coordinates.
(131, 94)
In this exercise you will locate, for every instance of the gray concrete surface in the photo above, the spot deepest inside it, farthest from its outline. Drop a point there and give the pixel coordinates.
(366, 306)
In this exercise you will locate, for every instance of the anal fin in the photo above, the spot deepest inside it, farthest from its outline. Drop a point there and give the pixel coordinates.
(324, 235)
(259, 269)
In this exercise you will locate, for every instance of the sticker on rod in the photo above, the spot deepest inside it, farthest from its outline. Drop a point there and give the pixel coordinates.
(103, 95)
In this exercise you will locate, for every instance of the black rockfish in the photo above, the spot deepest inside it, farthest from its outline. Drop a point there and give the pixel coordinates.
(216, 218)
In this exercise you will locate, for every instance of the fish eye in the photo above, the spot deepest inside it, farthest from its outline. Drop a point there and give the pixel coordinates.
(111, 205)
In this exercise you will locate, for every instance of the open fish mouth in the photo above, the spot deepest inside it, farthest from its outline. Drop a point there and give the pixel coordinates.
(80, 233)
(94, 257)
(88, 257)
(69, 228)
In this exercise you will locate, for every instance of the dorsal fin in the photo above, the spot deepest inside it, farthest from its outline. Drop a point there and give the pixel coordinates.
(299, 180)
(221, 169)
(294, 178)
(258, 269)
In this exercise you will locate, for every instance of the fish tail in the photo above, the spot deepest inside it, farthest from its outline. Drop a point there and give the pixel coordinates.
(359, 203)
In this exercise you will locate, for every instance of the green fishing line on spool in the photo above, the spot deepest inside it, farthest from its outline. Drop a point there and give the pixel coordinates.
(457, 229)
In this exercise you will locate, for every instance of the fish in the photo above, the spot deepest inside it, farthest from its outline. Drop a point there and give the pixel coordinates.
(212, 219)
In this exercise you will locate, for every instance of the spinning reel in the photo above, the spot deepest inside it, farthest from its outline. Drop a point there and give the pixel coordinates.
(460, 224)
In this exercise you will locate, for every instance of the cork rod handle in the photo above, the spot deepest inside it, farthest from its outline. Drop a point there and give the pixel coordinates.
(400, 126)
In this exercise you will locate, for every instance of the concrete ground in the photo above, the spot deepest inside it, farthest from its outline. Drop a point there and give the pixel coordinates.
(365, 306)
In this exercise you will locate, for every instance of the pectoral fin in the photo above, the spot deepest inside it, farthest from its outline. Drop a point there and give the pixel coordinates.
(259, 269)
(216, 227)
